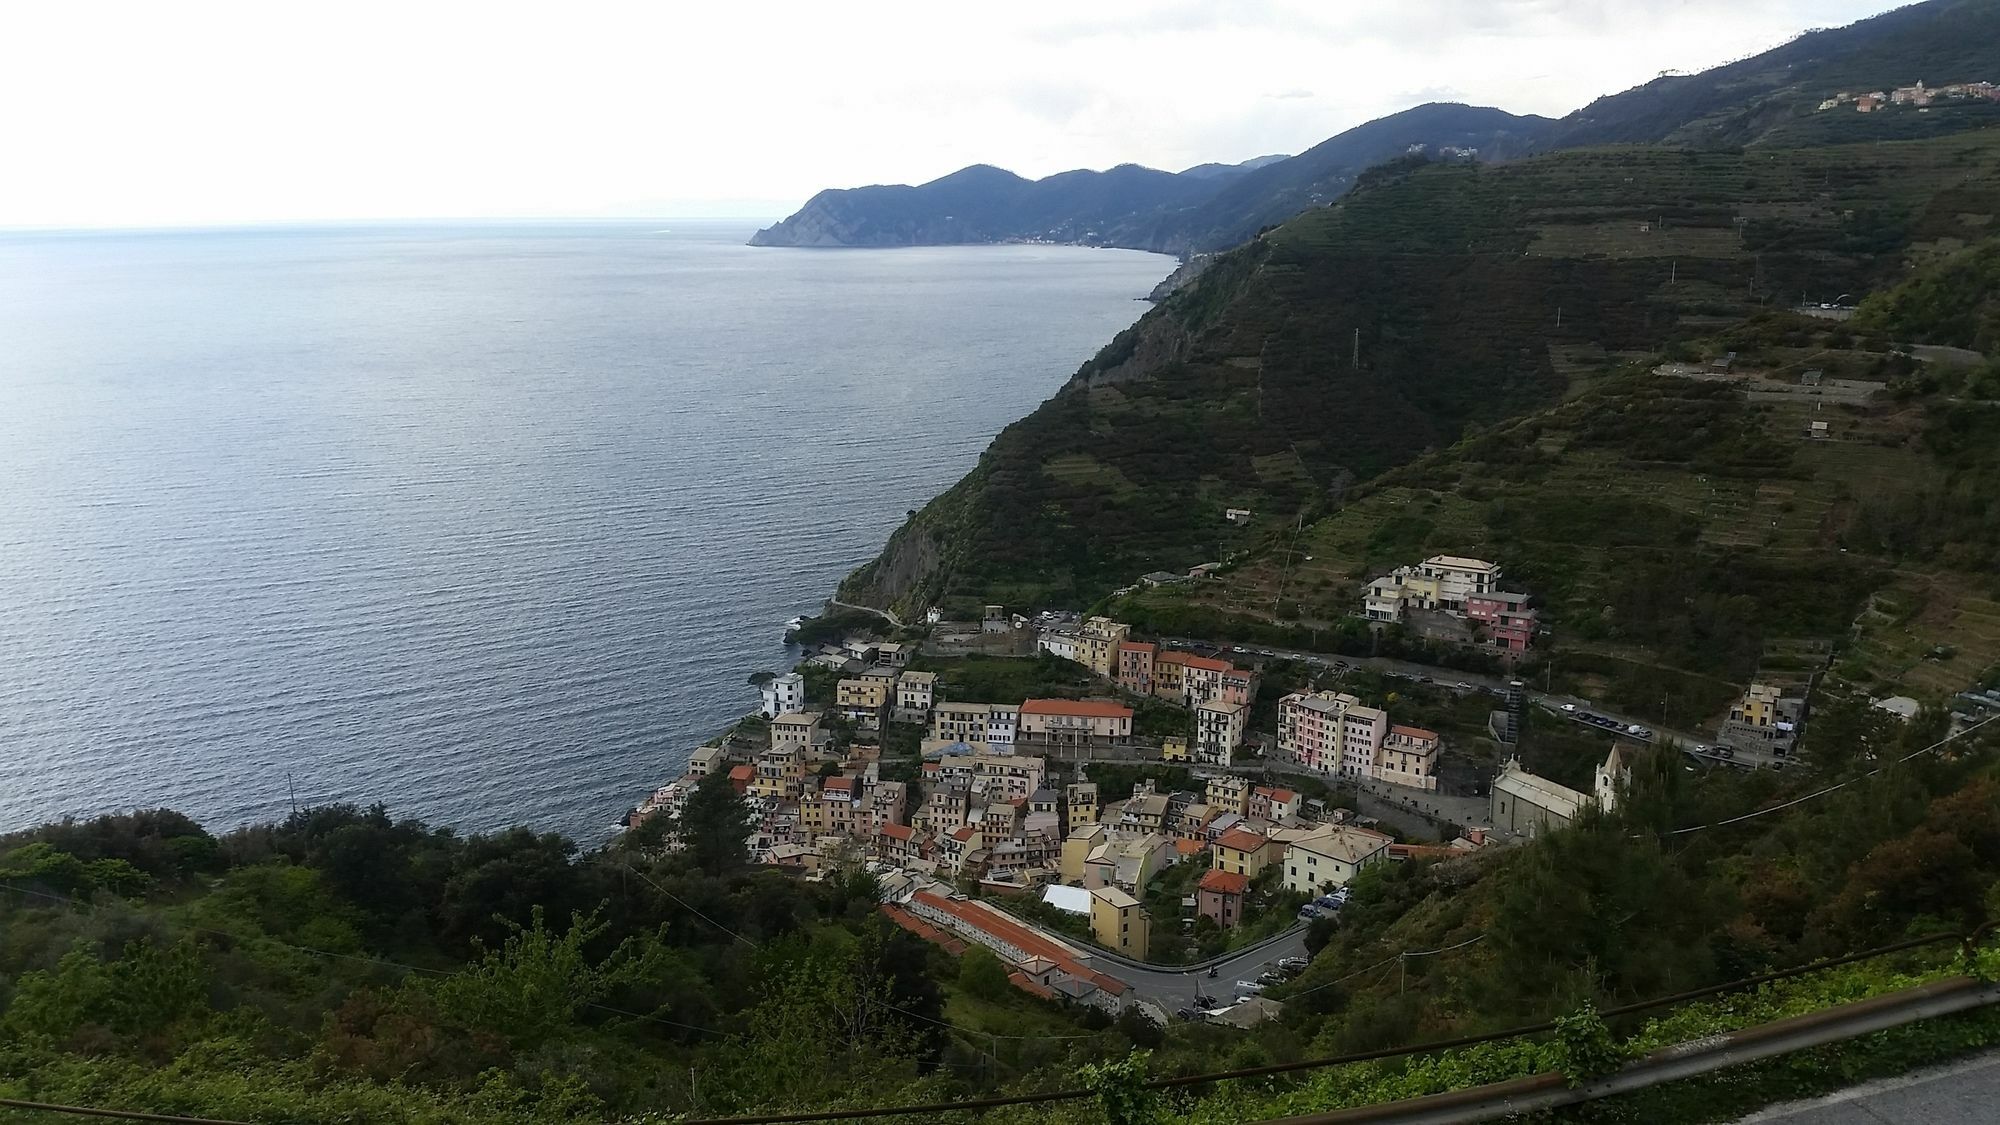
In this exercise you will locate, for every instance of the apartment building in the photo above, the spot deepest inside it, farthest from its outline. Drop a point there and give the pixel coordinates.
(915, 692)
(1218, 731)
(1081, 798)
(862, 701)
(1505, 622)
(1097, 645)
(1073, 722)
(783, 695)
(1229, 794)
(1118, 922)
(1135, 666)
(1409, 757)
(1329, 857)
(797, 730)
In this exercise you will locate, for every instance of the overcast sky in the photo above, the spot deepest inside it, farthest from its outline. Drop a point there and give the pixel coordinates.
(189, 112)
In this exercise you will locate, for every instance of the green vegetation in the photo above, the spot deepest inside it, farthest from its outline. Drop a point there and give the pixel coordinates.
(1243, 390)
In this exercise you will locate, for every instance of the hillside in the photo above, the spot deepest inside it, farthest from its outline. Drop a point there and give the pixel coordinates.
(987, 204)
(1206, 207)
(1469, 294)
(1771, 97)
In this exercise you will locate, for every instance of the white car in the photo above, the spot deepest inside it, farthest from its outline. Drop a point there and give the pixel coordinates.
(1569, 708)
(1243, 986)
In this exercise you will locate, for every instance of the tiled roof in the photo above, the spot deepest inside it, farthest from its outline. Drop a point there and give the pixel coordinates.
(1237, 839)
(1414, 732)
(1224, 882)
(1076, 708)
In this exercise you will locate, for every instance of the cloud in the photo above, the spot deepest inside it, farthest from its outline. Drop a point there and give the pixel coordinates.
(1289, 95)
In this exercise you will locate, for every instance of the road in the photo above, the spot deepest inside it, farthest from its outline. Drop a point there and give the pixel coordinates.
(884, 614)
(1961, 1093)
(1175, 987)
(1686, 741)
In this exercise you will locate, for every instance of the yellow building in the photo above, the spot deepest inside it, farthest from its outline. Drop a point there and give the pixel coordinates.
(1173, 748)
(781, 772)
(1758, 707)
(862, 701)
(1118, 922)
(1229, 794)
(1241, 851)
(1081, 798)
(1077, 848)
(1097, 645)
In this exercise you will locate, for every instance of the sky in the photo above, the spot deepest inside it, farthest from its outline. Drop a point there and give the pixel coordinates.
(202, 113)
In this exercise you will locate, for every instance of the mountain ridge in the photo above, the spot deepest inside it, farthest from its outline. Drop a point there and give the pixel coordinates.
(1768, 98)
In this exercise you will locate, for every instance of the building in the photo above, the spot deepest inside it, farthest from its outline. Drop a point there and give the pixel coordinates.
(953, 721)
(1525, 804)
(783, 695)
(1174, 748)
(1081, 800)
(1331, 732)
(892, 654)
(1098, 643)
(1764, 719)
(1003, 721)
(1330, 857)
(1218, 731)
(1218, 897)
(1268, 803)
(1614, 775)
(1505, 622)
(1118, 922)
(1135, 666)
(1077, 848)
(1362, 733)
(1409, 758)
(1129, 862)
(1229, 794)
(1242, 851)
(706, 760)
(995, 620)
(780, 773)
(1073, 722)
(1441, 582)
(1146, 812)
(1190, 821)
(915, 692)
(862, 701)
(797, 730)
(1169, 670)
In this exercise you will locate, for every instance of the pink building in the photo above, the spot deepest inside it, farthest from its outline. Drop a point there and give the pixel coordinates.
(1506, 619)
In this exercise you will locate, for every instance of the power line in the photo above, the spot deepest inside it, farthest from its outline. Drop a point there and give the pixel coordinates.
(1835, 787)
(119, 1114)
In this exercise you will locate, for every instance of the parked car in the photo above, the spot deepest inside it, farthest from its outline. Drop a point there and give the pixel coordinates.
(1569, 708)
(1724, 752)
(1272, 977)
(1463, 686)
(1185, 1013)
(1293, 963)
(1251, 986)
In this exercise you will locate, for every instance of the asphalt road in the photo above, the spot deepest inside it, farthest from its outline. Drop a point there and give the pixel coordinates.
(1173, 988)
(1962, 1093)
(1495, 686)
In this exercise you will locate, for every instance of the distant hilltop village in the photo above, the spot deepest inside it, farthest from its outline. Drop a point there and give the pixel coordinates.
(1916, 95)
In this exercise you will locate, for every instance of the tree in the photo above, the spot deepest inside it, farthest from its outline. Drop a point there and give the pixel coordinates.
(715, 827)
(981, 974)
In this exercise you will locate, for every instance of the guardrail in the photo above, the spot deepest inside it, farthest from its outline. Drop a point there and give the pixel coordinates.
(1552, 1089)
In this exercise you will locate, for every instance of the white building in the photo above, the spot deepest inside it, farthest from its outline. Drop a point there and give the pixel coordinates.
(784, 695)
(1218, 731)
(915, 691)
(1330, 857)
(1525, 804)
(1002, 720)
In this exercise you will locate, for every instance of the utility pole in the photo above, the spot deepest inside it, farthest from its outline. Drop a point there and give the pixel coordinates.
(1357, 349)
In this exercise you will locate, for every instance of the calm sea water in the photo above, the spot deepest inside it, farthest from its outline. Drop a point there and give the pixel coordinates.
(488, 523)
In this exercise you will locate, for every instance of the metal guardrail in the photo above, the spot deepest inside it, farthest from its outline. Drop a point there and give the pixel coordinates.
(1551, 1090)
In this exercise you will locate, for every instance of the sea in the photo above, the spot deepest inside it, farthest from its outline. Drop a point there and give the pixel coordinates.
(489, 523)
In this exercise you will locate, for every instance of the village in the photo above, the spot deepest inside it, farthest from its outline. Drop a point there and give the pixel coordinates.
(1138, 888)
(1916, 95)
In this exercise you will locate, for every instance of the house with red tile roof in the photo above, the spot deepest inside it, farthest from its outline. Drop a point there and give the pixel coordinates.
(1219, 897)
(1073, 722)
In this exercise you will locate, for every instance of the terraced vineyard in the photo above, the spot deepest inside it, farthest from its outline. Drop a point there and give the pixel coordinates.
(1434, 300)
